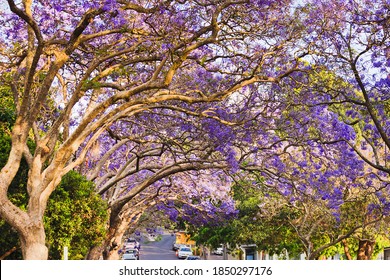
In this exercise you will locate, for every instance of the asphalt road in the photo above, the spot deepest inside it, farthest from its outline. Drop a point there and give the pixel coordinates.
(162, 250)
(158, 250)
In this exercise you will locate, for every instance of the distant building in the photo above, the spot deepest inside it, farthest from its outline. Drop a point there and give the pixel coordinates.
(386, 255)
(250, 252)
(182, 238)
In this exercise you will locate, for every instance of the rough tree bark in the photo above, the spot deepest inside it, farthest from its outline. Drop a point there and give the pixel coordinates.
(346, 249)
(112, 243)
(366, 248)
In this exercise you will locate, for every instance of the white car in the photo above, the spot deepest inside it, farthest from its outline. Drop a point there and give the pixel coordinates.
(218, 251)
(183, 252)
(131, 243)
(131, 254)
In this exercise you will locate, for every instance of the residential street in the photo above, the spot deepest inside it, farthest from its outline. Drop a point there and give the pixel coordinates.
(162, 250)
(158, 250)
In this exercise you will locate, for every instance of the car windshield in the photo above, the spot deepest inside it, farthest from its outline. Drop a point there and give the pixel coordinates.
(185, 249)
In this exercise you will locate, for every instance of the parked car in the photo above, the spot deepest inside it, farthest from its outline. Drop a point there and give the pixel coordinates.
(218, 251)
(183, 252)
(193, 258)
(131, 254)
(175, 246)
(131, 243)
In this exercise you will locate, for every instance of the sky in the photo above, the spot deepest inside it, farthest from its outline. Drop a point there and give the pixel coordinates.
(3, 5)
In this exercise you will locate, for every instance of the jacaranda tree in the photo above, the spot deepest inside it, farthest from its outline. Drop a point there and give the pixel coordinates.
(77, 67)
(351, 56)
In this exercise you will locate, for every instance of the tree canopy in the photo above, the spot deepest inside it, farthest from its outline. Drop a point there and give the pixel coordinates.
(166, 103)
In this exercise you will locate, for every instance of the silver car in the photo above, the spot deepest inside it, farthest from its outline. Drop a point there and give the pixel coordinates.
(131, 254)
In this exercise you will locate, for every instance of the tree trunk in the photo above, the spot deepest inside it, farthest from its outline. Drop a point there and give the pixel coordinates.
(206, 252)
(310, 252)
(112, 243)
(95, 252)
(119, 223)
(366, 248)
(113, 240)
(225, 255)
(108, 249)
(32, 241)
(346, 250)
(314, 256)
(30, 230)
